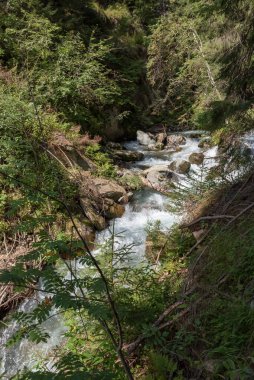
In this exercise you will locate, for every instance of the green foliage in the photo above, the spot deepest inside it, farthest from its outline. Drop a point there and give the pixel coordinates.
(105, 167)
(132, 182)
(217, 339)
(74, 65)
(199, 68)
(161, 367)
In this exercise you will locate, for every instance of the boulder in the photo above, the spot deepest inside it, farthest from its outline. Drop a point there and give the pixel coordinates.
(158, 176)
(196, 158)
(127, 155)
(92, 215)
(109, 189)
(175, 140)
(126, 198)
(114, 210)
(180, 166)
(157, 168)
(145, 138)
(161, 138)
(205, 142)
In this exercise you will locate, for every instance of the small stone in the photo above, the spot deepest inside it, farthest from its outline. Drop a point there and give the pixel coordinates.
(180, 166)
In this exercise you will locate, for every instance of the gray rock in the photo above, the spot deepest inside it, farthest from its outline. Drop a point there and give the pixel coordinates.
(145, 138)
(109, 189)
(158, 176)
(175, 140)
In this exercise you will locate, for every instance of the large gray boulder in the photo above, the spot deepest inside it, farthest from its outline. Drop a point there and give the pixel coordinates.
(109, 189)
(145, 138)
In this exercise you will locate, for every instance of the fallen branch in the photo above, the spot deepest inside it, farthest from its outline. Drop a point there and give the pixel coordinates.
(211, 217)
(241, 213)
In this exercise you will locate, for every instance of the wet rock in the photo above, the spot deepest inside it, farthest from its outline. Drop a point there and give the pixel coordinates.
(196, 158)
(175, 140)
(113, 210)
(127, 155)
(158, 176)
(161, 138)
(145, 138)
(205, 142)
(109, 189)
(126, 198)
(180, 166)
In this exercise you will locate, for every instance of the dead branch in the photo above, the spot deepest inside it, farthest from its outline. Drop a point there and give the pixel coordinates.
(211, 217)
(240, 214)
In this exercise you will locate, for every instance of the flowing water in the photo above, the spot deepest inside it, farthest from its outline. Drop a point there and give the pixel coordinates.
(147, 206)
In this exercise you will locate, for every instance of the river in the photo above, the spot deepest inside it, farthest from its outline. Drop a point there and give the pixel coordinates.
(146, 206)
